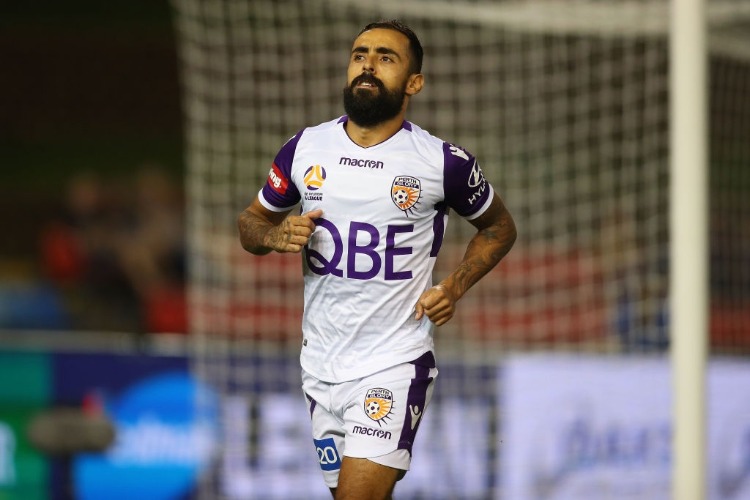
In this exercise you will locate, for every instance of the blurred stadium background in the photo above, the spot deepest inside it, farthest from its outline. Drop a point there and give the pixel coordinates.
(134, 132)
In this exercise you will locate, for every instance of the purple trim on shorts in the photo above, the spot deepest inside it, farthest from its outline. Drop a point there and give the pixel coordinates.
(313, 404)
(415, 401)
(427, 359)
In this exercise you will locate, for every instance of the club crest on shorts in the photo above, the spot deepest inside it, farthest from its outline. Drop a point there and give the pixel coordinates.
(405, 192)
(378, 404)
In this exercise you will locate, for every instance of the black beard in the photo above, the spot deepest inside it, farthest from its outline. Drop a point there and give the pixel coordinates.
(368, 108)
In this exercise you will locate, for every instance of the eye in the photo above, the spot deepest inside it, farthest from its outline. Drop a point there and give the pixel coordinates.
(386, 59)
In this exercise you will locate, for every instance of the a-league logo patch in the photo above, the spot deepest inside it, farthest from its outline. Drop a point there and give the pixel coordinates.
(314, 178)
(378, 404)
(405, 192)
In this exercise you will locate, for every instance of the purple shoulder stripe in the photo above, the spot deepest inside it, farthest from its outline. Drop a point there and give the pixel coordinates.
(466, 189)
(279, 189)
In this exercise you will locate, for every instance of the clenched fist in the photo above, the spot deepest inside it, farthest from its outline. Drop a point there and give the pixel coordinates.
(437, 303)
(293, 233)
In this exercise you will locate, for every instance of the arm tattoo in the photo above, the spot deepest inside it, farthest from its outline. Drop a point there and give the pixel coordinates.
(485, 250)
(257, 235)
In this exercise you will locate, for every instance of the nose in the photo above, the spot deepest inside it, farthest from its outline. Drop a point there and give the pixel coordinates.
(369, 65)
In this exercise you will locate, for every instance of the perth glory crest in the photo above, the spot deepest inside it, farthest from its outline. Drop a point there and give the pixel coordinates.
(378, 403)
(405, 192)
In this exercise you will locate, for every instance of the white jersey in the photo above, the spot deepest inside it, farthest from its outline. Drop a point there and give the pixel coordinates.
(372, 253)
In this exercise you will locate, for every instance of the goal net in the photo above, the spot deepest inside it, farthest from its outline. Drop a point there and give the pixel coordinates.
(565, 104)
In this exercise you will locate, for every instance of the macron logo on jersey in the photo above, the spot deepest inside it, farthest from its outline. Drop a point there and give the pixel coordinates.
(276, 180)
(356, 162)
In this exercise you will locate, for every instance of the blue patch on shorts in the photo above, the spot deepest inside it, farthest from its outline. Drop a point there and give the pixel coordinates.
(328, 455)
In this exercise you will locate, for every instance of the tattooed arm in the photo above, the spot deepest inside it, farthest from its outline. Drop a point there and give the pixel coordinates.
(496, 233)
(262, 230)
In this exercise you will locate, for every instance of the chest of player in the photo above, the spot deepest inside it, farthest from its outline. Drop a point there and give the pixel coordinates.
(361, 188)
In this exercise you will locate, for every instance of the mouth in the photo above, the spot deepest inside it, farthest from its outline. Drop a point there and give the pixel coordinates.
(365, 82)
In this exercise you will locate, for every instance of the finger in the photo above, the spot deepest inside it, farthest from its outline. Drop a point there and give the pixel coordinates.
(313, 214)
(431, 297)
(294, 248)
(300, 221)
(442, 321)
(301, 231)
(297, 243)
(420, 311)
(291, 243)
(440, 317)
(436, 311)
(309, 222)
(298, 239)
(441, 307)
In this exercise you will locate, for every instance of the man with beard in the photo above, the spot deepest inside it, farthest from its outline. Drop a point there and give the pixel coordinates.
(375, 192)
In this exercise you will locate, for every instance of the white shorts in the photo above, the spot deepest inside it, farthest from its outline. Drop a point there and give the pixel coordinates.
(375, 417)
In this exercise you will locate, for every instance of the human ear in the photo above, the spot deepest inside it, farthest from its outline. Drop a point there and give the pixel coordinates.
(414, 84)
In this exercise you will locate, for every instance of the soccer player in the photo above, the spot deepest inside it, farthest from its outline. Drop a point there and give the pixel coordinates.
(375, 193)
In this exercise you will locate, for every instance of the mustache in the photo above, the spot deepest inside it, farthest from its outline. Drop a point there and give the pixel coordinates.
(366, 78)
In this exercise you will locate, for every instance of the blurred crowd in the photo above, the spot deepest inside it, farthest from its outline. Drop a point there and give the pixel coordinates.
(113, 258)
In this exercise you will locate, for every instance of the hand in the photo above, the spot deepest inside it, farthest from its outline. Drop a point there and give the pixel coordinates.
(437, 303)
(294, 232)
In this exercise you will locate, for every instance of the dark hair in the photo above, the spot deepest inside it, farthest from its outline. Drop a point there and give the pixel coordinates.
(415, 47)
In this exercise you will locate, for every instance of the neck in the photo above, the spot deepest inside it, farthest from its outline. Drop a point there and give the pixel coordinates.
(370, 136)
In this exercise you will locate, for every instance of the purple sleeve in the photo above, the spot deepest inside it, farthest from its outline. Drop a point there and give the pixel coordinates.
(466, 189)
(279, 190)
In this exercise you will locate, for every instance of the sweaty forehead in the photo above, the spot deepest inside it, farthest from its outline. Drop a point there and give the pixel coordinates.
(383, 38)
